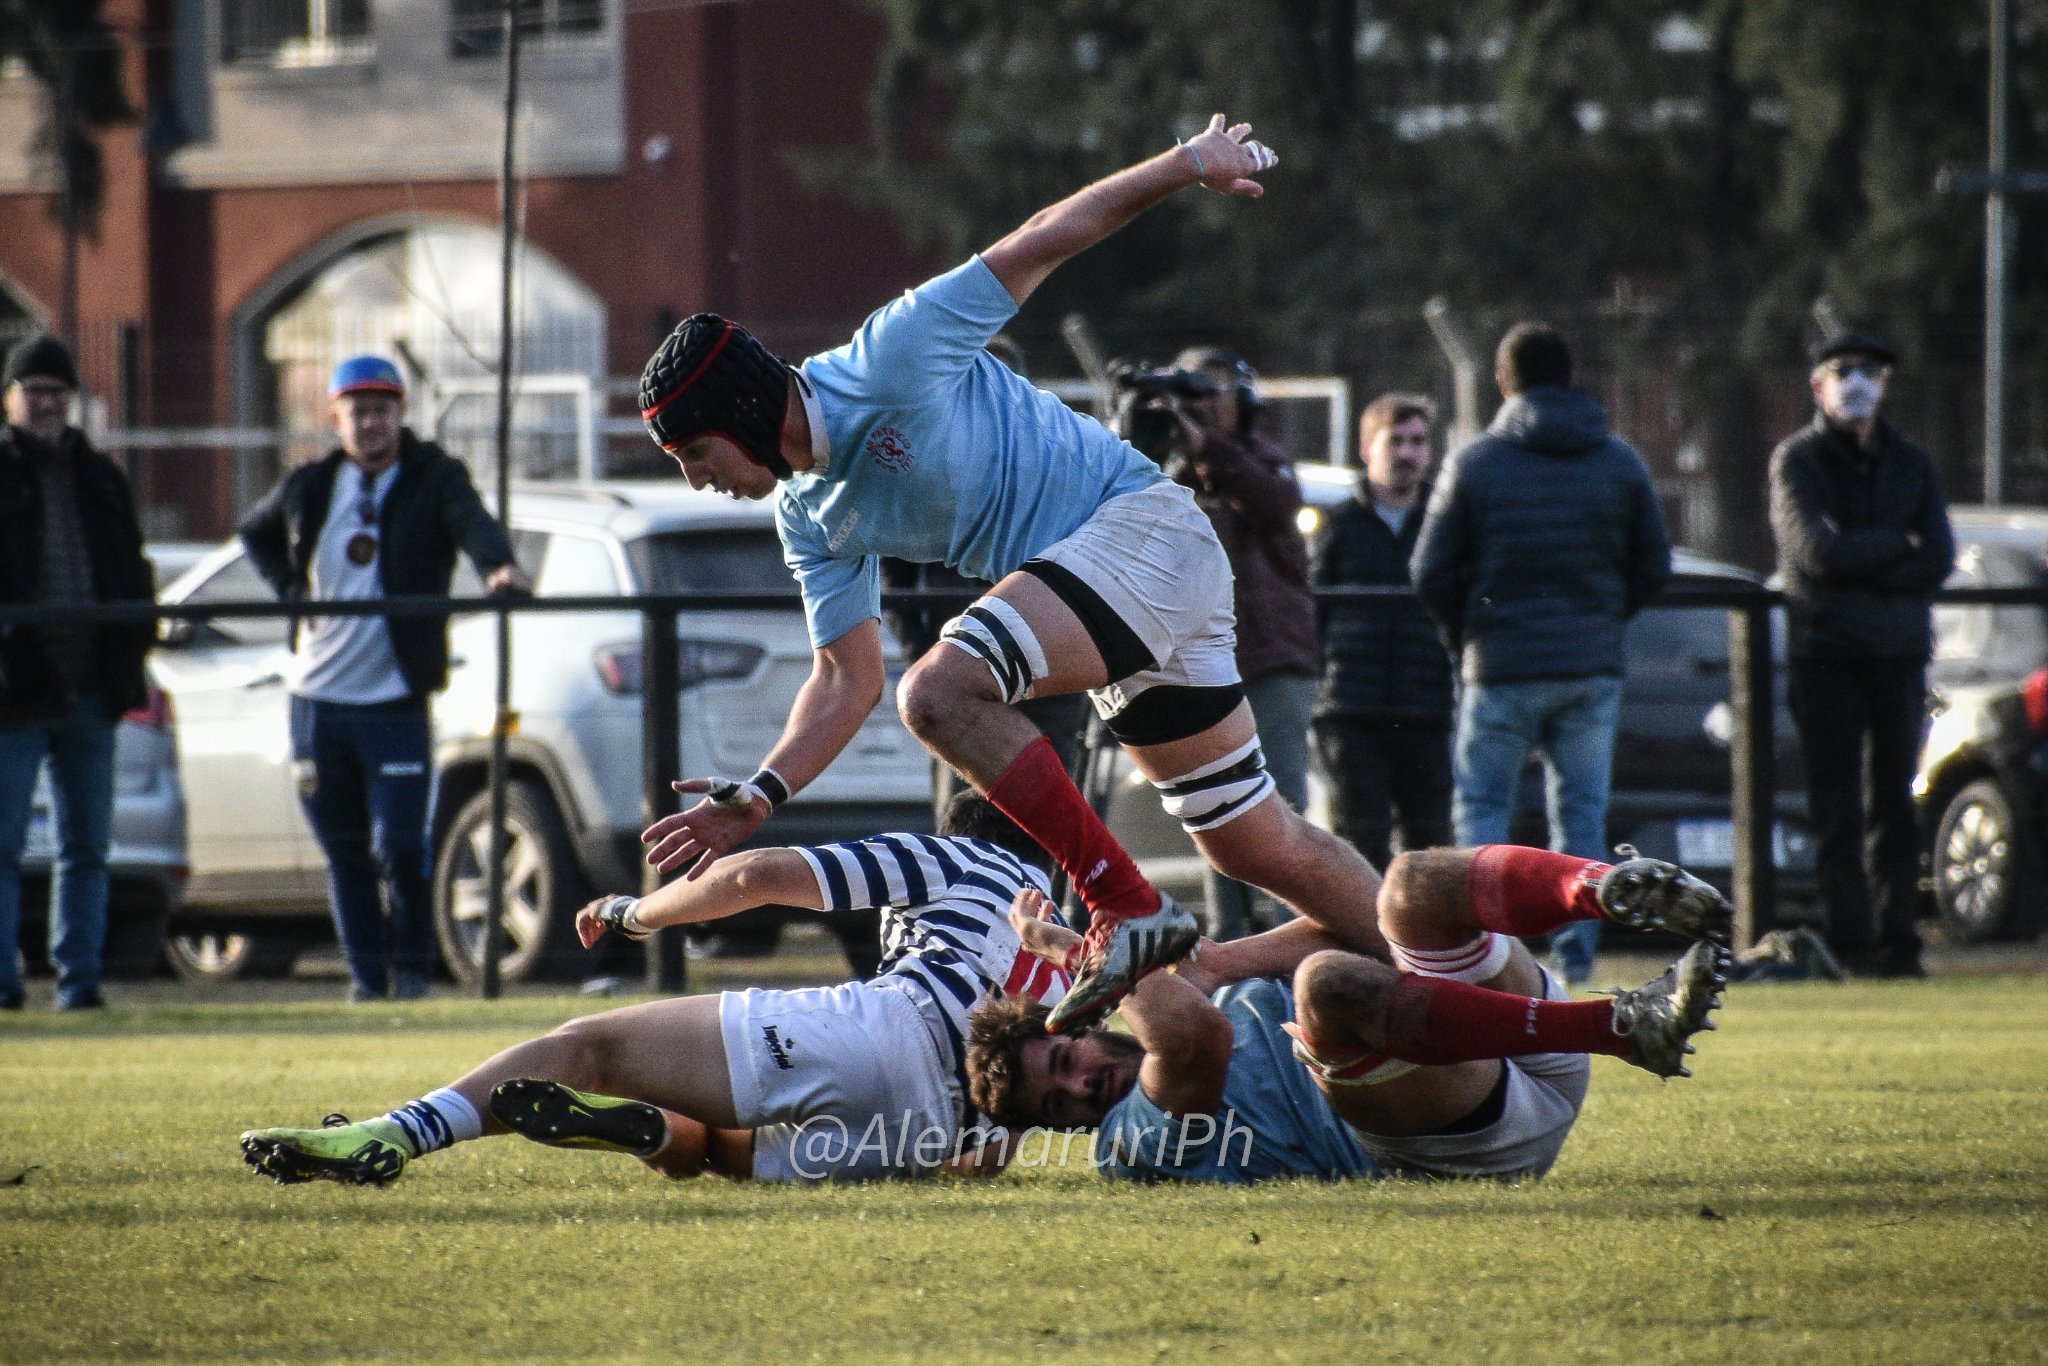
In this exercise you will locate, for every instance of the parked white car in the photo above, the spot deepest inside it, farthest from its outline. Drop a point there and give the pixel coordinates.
(258, 887)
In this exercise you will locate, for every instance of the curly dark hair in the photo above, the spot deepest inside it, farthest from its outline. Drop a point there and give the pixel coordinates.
(996, 1035)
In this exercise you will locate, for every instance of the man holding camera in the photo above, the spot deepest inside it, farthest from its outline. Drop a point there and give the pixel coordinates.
(1245, 483)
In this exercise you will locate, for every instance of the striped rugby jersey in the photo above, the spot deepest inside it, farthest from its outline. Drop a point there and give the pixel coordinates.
(946, 935)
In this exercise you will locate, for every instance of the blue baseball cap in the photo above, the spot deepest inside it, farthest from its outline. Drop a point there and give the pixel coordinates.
(360, 373)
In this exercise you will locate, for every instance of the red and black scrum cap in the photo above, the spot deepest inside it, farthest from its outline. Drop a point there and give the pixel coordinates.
(712, 377)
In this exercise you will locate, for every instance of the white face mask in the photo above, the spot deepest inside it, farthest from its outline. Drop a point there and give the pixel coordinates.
(1853, 397)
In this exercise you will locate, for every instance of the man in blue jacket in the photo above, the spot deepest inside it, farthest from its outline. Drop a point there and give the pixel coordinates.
(1542, 539)
(382, 514)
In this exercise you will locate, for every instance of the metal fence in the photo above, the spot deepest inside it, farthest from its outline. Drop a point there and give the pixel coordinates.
(1751, 690)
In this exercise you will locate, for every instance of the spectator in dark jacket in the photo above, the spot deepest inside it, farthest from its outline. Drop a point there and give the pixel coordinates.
(68, 535)
(1543, 538)
(1383, 713)
(382, 514)
(1863, 539)
(1245, 482)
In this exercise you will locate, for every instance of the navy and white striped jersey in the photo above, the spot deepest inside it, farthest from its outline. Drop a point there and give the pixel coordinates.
(945, 903)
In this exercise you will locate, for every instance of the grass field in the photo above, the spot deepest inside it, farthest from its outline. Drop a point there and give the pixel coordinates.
(1858, 1173)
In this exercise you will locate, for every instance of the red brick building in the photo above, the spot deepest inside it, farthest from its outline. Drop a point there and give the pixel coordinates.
(332, 187)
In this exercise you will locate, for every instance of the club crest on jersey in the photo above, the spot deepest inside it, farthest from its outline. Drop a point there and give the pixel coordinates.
(889, 448)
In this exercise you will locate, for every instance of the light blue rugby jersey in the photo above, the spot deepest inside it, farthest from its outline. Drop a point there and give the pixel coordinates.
(940, 454)
(1273, 1121)
(946, 936)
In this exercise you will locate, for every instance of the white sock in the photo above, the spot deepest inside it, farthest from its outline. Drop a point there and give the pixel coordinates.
(437, 1120)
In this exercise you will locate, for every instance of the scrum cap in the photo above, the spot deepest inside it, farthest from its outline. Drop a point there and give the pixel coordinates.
(712, 377)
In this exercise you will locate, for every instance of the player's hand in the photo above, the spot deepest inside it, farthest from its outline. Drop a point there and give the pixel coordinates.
(1199, 968)
(1230, 157)
(695, 838)
(1031, 917)
(509, 580)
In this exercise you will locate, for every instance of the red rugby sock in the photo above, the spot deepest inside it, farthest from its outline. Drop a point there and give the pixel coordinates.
(1433, 1020)
(1036, 792)
(1521, 891)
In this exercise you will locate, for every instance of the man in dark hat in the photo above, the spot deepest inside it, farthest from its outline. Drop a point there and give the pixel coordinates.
(68, 535)
(1863, 539)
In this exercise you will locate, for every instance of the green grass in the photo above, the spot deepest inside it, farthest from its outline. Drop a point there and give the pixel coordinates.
(1858, 1173)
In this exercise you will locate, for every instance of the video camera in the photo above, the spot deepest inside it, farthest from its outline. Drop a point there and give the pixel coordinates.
(1144, 400)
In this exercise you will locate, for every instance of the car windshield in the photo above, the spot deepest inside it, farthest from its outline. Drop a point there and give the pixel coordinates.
(728, 561)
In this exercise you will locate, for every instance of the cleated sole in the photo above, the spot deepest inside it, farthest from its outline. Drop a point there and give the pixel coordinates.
(551, 1113)
(274, 1156)
(1143, 949)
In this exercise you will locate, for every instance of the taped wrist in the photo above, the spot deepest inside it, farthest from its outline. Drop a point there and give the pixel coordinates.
(619, 914)
(766, 784)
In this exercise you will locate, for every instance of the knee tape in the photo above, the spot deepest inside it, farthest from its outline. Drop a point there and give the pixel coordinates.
(996, 634)
(1481, 960)
(1218, 792)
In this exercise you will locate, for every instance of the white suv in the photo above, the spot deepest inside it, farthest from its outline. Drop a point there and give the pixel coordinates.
(258, 887)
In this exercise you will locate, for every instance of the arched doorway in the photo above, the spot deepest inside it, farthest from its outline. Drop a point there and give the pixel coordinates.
(426, 294)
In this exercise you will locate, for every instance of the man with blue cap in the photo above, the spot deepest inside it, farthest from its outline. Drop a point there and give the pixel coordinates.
(383, 514)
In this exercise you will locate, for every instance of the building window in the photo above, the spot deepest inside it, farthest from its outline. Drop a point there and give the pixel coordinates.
(295, 32)
(476, 28)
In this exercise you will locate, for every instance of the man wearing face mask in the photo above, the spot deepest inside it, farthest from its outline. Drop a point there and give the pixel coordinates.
(1863, 538)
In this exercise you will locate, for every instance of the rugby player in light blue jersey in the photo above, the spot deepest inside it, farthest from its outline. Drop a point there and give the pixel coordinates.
(1467, 1061)
(912, 441)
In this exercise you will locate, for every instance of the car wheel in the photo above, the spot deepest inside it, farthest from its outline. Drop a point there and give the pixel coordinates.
(543, 888)
(1973, 862)
(204, 958)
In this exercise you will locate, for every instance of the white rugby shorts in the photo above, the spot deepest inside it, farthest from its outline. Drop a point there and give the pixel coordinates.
(1154, 559)
(839, 1083)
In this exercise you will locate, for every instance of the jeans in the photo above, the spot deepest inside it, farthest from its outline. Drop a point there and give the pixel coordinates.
(1386, 775)
(366, 776)
(80, 749)
(1860, 726)
(1282, 705)
(1571, 723)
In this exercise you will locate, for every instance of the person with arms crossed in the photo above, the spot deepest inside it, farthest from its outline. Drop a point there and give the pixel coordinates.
(1863, 540)
(1383, 714)
(68, 536)
(860, 1080)
(1463, 1060)
(383, 513)
(912, 441)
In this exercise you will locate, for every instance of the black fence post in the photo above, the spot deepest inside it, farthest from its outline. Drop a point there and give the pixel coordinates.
(1754, 756)
(660, 765)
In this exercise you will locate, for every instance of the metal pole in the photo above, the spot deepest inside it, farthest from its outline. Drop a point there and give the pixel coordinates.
(661, 696)
(1995, 284)
(508, 232)
(1465, 367)
(1754, 756)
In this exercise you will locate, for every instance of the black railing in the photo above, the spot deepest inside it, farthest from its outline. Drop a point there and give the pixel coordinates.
(1751, 691)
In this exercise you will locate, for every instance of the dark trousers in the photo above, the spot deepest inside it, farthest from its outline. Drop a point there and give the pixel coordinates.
(1384, 776)
(366, 777)
(1860, 726)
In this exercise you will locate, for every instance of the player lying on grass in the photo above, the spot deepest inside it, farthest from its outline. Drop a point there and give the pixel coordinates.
(1468, 1061)
(859, 1080)
(912, 441)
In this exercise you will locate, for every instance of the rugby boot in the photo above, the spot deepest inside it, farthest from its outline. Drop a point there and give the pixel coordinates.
(1650, 894)
(1659, 1018)
(551, 1113)
(373, 1153)
(1115, 954)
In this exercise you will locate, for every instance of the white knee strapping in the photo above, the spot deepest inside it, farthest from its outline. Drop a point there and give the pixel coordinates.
(1479, 961)
(1220, 791)
(996, 634)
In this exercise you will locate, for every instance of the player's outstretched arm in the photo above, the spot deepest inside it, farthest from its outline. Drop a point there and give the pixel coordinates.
(847, 677)
(1223, 157)
(758, 877)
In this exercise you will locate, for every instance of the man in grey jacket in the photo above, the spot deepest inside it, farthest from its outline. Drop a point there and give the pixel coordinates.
(1542, 539)
(1863, 539)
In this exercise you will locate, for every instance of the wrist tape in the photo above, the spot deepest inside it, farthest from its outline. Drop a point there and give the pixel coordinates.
(618, 914)
(767, 784)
